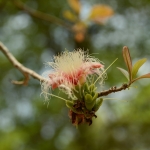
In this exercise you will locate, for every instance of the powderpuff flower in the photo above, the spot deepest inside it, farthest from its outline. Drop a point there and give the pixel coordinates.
(70, 69)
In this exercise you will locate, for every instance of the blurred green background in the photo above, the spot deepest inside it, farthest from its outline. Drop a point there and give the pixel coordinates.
(26, 123)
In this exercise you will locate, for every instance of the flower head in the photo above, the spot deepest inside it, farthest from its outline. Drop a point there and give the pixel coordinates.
(70, 69)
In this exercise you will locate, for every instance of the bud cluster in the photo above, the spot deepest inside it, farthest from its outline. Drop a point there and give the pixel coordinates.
(87, 103)
(76, 73)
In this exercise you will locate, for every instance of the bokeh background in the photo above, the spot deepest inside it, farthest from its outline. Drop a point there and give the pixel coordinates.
(26, 123)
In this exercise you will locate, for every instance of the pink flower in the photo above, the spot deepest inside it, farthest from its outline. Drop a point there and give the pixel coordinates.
(72, 68)
(59, 77)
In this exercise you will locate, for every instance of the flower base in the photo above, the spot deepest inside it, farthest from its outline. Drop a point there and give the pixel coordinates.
(81, 114)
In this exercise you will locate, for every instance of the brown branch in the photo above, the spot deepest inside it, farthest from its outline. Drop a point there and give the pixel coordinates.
(28, 72)
(41, 15)
(113, 90)
(24, 82)
(25, 71)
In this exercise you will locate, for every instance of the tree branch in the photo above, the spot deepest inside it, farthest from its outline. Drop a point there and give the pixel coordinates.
(41, 15)
(25, 71)
(28, 72)
(113, 90)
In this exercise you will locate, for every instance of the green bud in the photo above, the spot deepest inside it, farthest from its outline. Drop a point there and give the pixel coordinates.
(92, 86)
(89, 106)
(92, 93)
(89, 102)
(97, 104)
(86, 88)
(95, 96)
(78, 91)
(88, 98)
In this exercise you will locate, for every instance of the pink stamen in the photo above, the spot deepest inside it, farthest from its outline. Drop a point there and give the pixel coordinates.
(73, 78)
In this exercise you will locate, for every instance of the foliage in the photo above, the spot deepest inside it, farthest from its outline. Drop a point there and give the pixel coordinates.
(132, 70)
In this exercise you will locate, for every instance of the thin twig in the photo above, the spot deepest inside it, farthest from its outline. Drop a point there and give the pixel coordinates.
(41, 15)
(113, 90)
(28, 72)
(25, 71)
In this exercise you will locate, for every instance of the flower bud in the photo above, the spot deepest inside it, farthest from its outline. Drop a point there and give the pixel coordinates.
(88, 98)
(97, 104)
(89, 102)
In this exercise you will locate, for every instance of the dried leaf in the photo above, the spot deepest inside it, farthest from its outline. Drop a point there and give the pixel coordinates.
(136, 67)
(143, 76)
(75, 5)
(124, 72)
(70, 16)
(127, 59)
(100, 13)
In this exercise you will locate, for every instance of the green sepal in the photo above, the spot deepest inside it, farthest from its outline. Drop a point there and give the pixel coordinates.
(98, 104)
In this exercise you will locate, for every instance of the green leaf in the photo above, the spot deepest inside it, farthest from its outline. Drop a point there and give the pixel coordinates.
(124, 72)
(136, 66)
(143, 76)
(127, 59)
